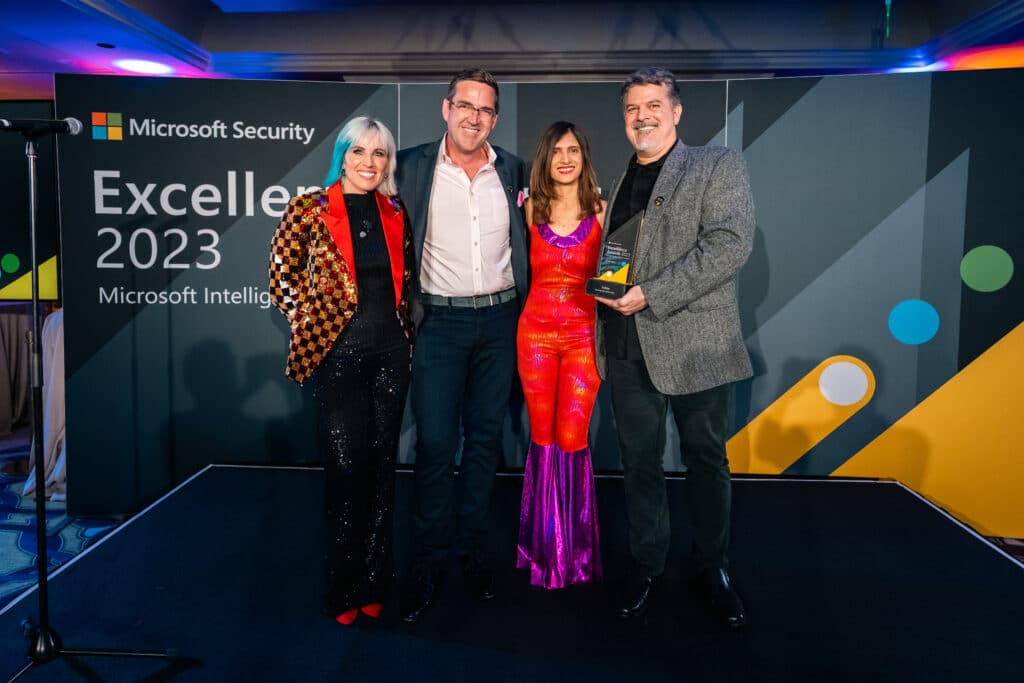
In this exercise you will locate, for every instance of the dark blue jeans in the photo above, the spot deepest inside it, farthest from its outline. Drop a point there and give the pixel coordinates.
(462, 371)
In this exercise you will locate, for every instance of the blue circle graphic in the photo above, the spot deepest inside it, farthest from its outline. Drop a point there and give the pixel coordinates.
(913, 321)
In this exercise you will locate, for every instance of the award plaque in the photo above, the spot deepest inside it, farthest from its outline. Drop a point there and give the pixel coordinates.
(614, 268)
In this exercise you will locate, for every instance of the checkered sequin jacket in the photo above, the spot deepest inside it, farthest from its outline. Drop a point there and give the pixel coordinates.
(312, 278)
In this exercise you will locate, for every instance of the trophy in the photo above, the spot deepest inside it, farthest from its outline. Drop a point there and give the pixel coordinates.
(614, 272)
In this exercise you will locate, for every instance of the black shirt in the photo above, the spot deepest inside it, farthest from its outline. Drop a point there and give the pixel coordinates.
(621, 340)
(375, 326)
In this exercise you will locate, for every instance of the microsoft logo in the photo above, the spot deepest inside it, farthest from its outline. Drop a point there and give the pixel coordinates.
(106, 125)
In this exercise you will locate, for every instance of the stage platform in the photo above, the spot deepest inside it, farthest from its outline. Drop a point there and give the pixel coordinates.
(843, 580)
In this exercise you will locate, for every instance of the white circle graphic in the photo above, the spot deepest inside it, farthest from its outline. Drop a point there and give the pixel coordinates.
(843, 383)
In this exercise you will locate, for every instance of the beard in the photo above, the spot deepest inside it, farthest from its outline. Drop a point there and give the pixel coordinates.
(644, 141)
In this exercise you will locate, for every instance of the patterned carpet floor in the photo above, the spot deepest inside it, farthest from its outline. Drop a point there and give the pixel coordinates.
(66, 536)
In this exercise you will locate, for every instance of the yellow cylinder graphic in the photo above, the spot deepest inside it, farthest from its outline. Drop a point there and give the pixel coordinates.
(809, 411)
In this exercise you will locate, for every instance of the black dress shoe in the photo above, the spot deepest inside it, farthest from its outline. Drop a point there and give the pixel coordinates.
(723, 600)
(478, 578)
(419, 597)
(636, 596)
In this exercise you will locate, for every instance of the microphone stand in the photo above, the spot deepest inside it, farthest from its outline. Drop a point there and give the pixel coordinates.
(45, 645)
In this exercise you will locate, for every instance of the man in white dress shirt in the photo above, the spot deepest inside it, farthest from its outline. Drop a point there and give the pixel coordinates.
(470, 245)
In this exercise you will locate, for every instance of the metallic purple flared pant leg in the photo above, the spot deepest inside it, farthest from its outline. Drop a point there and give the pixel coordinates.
(558, 533)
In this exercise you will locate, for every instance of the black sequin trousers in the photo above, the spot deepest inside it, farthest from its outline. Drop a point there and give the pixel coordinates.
(360, 397)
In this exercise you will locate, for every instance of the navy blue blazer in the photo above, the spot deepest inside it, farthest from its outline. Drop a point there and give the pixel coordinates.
(415, 176)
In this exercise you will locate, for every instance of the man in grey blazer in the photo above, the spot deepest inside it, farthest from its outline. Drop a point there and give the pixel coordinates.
(674, 338)
(469, 241)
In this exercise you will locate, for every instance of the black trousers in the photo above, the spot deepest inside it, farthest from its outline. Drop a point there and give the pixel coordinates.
(640, 411)
(463, 368)
(360, 399)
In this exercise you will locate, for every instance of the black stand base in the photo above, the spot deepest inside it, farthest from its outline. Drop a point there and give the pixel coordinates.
(45, 647)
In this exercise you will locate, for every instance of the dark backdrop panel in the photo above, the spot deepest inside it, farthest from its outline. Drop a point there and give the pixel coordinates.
(15, 256)
(184, 221)
(980, 113)
(838, 170)
(868, 191)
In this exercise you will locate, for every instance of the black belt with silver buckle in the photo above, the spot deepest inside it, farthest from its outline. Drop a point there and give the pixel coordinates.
(479, 301)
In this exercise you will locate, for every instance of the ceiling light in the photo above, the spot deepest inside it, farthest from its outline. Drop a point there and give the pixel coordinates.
(143, 66)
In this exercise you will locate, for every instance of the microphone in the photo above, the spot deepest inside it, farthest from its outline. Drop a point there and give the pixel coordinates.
(38, 127)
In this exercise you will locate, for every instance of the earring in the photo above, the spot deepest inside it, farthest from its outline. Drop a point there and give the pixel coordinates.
(385, 176)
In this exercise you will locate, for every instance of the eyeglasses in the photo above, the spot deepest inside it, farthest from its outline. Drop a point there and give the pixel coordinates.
(467, 109)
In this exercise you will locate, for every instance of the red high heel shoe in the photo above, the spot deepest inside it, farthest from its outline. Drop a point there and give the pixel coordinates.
(347, 617)
(372, 610)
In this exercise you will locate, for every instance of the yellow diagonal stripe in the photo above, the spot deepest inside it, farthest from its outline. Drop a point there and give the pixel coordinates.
(794, 423)
(961, 446)
(21, 289)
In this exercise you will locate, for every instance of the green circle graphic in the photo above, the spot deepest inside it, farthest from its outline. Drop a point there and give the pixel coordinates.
(986, 268)
(10, 263)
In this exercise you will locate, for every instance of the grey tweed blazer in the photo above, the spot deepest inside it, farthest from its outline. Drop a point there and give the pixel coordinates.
(697, 234)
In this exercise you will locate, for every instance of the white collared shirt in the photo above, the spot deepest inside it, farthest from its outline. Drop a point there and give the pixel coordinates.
(467, 249)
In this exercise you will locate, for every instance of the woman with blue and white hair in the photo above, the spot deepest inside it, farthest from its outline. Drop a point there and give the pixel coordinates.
(340, 266)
